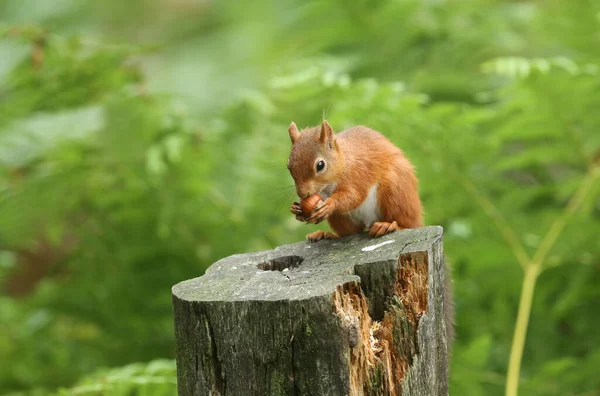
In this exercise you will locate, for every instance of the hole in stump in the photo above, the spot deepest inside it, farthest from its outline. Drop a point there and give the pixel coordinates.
(281, 263)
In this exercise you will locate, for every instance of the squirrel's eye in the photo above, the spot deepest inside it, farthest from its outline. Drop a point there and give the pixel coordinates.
(320, 165)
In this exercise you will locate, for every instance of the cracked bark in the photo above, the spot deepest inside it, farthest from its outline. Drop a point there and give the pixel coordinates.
(328, 318)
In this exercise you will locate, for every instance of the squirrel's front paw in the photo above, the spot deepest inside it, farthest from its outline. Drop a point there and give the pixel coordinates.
(321, 211)
(381, 228)
(319, 235)
(297, 210)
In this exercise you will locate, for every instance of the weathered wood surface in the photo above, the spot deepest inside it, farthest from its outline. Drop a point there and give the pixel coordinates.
(354, 316)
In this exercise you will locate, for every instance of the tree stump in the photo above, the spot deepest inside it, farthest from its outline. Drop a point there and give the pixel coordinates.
(352, 316)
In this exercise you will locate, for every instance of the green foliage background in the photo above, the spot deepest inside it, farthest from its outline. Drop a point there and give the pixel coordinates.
(141, 141)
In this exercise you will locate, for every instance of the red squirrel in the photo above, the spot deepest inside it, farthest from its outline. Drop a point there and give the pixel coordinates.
(364, 179)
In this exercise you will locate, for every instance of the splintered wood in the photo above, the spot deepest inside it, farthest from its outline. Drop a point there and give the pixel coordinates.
(381, 352)
(411, 285)
(351, 306)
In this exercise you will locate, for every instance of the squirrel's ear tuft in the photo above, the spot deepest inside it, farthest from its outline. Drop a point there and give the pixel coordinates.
(326, 132)
(294, 133)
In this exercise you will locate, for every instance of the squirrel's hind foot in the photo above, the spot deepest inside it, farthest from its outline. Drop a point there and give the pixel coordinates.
(381, 228)
(319, 235)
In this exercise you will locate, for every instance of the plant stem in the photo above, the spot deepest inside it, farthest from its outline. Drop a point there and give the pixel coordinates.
(532, 270)
(560, 223)
(518, 343)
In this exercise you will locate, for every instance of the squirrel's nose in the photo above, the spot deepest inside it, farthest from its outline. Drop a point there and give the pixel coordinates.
(302, 194)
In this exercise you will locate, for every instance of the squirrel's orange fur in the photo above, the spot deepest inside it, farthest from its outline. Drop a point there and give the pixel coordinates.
(357, 162)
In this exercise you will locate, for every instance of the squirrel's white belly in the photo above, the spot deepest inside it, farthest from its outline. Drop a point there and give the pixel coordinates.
(368, 212)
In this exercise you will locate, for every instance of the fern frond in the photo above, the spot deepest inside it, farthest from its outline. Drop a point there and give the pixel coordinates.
(518, 67)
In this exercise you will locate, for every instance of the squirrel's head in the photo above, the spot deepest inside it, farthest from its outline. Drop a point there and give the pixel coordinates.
(316, 160)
